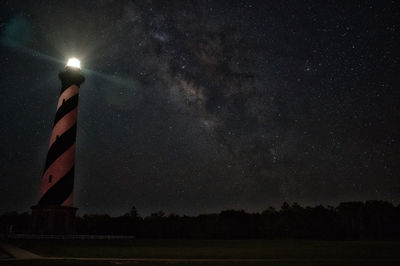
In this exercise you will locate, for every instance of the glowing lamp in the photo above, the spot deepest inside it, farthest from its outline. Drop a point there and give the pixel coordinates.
(74, 63)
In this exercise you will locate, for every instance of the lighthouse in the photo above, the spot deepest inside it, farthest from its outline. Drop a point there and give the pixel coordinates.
(55, 213)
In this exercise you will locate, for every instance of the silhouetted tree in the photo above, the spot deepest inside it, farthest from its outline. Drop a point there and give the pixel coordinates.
(349, 220)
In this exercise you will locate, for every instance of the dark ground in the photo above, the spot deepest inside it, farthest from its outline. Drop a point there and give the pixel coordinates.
(63, 263)
(275, 252)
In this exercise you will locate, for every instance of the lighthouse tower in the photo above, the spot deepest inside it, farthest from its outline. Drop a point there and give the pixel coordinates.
(54, 213)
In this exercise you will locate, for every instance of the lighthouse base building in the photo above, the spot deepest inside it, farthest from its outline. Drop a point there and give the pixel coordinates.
(53, 220)
(55, 213)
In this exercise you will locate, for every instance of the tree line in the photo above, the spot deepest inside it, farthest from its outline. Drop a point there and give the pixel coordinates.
(349, 220)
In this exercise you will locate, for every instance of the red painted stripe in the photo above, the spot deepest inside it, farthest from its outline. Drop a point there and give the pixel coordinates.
(68, 93)
(63, 125)
(58, 169)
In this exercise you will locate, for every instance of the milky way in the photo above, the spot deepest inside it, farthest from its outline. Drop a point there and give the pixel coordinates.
(197, 106)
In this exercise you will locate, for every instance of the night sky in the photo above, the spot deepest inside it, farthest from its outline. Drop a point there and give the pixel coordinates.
(197, 106)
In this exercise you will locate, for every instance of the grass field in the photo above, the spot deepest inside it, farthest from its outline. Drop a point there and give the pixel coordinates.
(111, 263)
(3, 255)
(299, 252)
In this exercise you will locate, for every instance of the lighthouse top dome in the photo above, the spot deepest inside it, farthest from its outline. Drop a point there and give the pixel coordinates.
(74, 63)
(71, 75)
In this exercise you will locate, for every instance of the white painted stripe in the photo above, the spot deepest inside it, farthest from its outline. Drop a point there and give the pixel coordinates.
(57, 170)
(68, 93)
(63, 125)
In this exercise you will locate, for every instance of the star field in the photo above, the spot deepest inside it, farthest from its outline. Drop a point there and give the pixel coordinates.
(197, 106)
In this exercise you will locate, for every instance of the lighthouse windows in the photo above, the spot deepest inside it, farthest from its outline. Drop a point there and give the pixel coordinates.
(50, 178)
